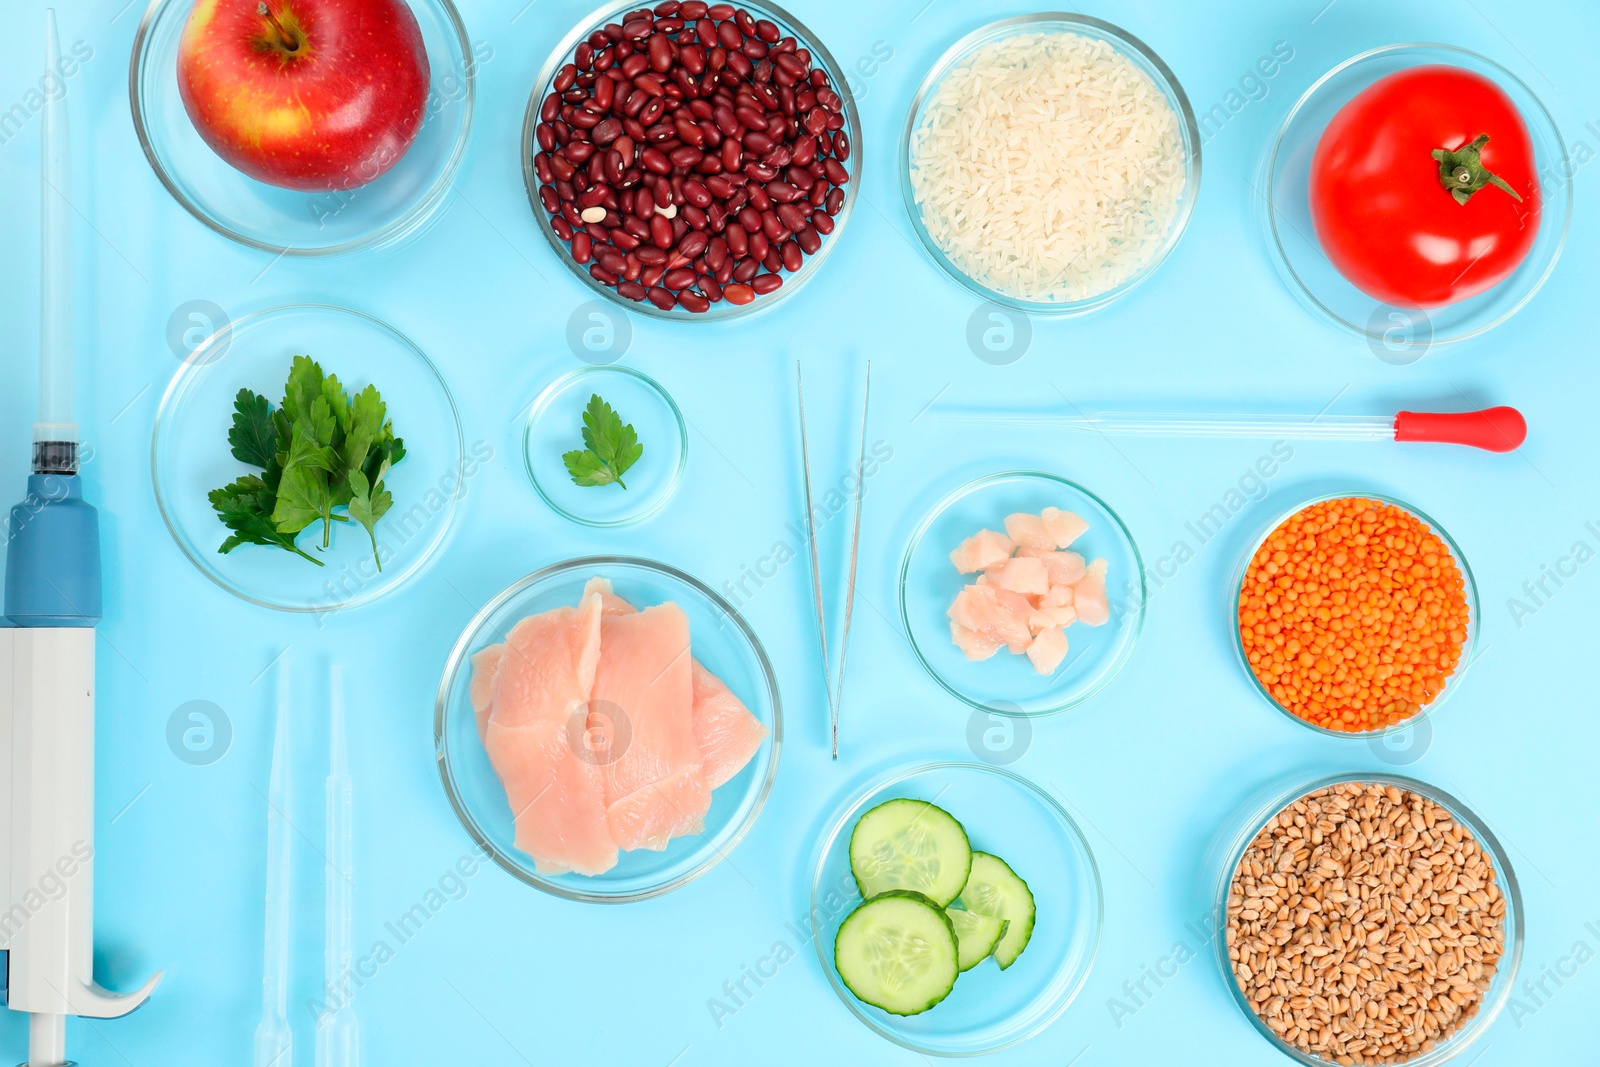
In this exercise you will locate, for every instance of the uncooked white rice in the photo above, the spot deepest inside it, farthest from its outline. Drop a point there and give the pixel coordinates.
(1047, 166)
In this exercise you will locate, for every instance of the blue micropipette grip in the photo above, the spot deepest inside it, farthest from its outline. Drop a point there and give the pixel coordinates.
(53, 558)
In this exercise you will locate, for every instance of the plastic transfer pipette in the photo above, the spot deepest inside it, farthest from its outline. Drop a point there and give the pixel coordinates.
(274, 1046)
(338, 1030)
(1499, 429)
(47, 675)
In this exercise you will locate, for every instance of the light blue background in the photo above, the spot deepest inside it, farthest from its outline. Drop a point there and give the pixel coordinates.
(1155, 767)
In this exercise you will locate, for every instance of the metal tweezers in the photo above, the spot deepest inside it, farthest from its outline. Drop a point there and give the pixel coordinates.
(835, 690)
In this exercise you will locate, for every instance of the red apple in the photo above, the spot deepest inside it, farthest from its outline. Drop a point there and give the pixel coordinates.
(305, 94)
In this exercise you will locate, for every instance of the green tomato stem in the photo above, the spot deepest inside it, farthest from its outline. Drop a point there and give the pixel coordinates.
(1462, 172)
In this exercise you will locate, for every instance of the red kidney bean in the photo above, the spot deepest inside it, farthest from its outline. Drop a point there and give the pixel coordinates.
(692, 9)
(613, 261)
(681, 278)
(760, 245)
(651, 256)
(745, 270)
(562, 227)
(835, 201)
(661, 231)
(708, 285)
(693, 244)
(766, 283)
(685, 157)
(822, 222)
(601, 275)
(741, 66)
(661, 298)
(809, 240)
(792, 217)
(660, 53)
(694, 302)
(651, 276)
(793, 256)
(739, 294)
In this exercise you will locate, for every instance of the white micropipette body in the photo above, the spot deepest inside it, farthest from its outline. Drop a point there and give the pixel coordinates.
(338, 1029)
(55, 258)
(274, 1042)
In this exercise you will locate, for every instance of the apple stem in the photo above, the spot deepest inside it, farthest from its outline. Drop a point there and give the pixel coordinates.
(285, 38)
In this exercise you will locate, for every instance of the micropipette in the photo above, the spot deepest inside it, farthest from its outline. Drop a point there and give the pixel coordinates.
(274, 1045)
(1499, 429)
(338, 1030)
(47, 646)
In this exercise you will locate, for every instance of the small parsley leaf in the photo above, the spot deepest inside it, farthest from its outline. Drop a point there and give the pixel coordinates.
(612, 447)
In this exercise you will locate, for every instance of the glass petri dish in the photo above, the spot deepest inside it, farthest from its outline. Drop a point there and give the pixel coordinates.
(289, 221)
(792, 281)
(190, 456)
(1279, 797)
(1468, 650)
(555, 425)
(1012, 818)
(721, 640)
(1285, 211)
(1007, 684)
(1126, 45)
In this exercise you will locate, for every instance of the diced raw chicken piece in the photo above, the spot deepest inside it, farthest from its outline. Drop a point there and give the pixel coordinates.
(1048, 650)
(728, 735)
(1058, 596)
(1020, 574)
(979, 609)
(480, 691)
(983, 549)
(1045, 618)
(556, 798)
(1029, 531)
(973, 646)
(547, 669)
(644, 684)
(1064, 526)
(1089, 596)
(653, 816)
(1013, 600)
(1060, 568)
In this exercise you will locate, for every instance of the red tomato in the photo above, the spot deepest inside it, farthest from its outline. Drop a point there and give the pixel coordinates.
(1382, 210)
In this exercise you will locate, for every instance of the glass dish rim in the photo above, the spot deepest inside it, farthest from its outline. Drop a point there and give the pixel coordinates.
(1168, 82)
(926, 523)
(460, 654)
(1267, 216)
(724, 311)
(547, 396)
(1257, 813)
(1468, 650)
(180, 382)
(393, 231)
(889, 778)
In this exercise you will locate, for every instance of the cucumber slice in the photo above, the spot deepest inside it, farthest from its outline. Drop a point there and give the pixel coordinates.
(897, 952)
(976, 936)
(910, 844)
(993, 889)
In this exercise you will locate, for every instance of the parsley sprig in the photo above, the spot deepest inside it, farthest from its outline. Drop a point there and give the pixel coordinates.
(320, 451)
(611, 447)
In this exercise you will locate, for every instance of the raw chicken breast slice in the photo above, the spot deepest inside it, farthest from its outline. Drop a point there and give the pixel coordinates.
(973, 646)
(1089, 596)
(1048, 650)
(480, 691)
(983, 549)
(547, 670)
(653, 816)
(1029, 531)
(610, 602)
(556, 798)
(728, 735)
(978, 608)
(1047, 618)
(1020, 574)
(644, 686)
(1059, 596)
(1064, 526)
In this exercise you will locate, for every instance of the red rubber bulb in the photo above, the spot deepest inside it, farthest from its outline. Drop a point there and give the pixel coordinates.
(1499, 429)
